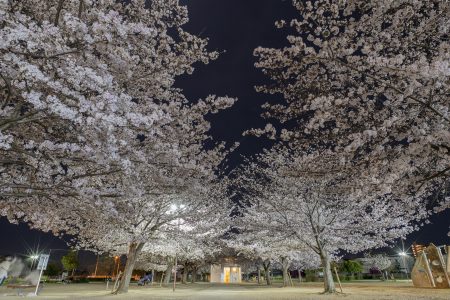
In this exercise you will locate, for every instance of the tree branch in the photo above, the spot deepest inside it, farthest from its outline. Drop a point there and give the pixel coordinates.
(58, 12)
(390, 86)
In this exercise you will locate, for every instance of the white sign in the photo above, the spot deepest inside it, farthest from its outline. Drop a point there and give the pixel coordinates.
(42, 265)
(43, 261)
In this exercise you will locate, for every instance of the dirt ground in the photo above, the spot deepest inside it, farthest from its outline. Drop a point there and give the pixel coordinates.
(362, 290)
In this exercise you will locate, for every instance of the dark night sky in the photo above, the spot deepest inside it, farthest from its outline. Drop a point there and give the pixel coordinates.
(237, 27)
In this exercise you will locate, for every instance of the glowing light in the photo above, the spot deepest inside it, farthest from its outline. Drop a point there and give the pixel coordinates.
(402, 253)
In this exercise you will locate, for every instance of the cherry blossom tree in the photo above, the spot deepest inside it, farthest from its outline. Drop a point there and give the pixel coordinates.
(198, 251)
(260, 243)
(64, 106)
(81, 86)
(190, 247)
(304, 260)
(140, 211)
(264, 254)
(294, 256)
(95, 139)
(378, 262)
(316, 206)
(369, 81)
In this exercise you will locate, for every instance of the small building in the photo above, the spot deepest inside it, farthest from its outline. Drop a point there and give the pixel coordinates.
(226, 271)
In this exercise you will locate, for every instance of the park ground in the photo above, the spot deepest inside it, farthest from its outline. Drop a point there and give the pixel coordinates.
(361, 290)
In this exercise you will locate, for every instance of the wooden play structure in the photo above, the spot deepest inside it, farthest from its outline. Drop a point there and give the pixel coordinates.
(431, 269)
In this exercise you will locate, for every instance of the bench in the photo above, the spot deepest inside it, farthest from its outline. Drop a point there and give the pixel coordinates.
(22, 287)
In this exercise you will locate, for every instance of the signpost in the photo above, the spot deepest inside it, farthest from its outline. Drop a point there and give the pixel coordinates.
(42, 265)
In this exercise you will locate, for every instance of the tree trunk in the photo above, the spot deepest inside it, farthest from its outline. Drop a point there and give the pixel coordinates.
(58, 12)
(184, 275)
(259, 275)
(299, 275)
(328, 280)
(168, 274)
(194, 275)
(285, 265)
(267, 272)
(133, 252)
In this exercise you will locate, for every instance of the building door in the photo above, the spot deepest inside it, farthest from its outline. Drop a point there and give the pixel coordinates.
(235, 275)
(226, 277)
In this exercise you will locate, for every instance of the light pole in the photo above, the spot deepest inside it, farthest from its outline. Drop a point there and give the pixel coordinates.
(176, 207)
(175, 272)
(96, 267)
(117, 260)
(403, 255)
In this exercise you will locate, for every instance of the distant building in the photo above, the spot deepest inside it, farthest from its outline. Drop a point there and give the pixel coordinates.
(226, 271)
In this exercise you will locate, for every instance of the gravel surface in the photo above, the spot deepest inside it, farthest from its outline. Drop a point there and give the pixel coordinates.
(363, 290)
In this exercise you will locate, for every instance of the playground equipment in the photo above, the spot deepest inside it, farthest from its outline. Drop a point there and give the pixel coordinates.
(430, 269)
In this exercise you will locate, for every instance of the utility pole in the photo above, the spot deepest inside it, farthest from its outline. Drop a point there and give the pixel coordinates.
(96, 267)
(403, 255)
(118, 265)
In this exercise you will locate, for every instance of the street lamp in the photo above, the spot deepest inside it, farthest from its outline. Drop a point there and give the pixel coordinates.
(403, 255)
(33, 258)
(117, 260)
(174, 208)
